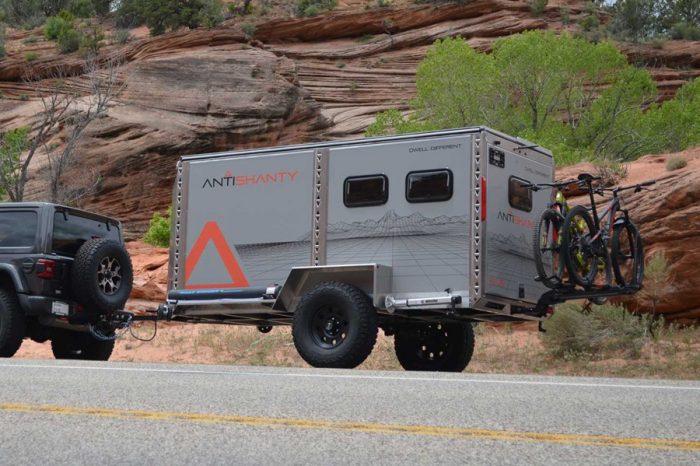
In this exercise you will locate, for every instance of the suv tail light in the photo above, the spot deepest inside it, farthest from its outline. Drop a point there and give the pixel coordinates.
(45, 268)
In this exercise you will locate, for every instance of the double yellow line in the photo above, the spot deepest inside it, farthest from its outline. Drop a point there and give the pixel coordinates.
(431, 431)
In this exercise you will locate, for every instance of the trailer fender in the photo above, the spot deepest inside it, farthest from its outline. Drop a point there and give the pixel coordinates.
(373, 279)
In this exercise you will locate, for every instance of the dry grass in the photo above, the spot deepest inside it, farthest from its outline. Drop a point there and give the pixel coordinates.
(673, 353)
(505, 349)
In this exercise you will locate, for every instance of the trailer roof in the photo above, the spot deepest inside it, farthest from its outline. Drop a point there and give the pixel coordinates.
(346, 142)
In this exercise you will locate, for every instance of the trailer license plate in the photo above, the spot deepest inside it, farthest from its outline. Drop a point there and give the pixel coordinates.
(59, 308)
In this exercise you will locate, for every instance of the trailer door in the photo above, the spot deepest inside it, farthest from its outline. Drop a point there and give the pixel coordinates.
(512, 215)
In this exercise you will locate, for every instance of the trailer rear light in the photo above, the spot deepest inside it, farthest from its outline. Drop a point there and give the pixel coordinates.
(483, 199)
(45, 268)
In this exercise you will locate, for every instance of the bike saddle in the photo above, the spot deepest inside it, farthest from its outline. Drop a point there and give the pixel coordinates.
(587, 177)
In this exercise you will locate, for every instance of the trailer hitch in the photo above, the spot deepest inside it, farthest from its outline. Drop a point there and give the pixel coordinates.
(118, 323)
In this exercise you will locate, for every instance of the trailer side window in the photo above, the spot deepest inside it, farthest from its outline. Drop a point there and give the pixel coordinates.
(519, 197)
(363, 191)
(429, 186)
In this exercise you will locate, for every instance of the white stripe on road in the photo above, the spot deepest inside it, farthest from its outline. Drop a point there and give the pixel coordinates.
(359, 377)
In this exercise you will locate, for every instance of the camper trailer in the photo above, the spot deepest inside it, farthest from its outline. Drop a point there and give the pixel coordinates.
(420, 235)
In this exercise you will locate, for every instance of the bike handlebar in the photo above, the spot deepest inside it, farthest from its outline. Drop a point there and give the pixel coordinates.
(558, 184)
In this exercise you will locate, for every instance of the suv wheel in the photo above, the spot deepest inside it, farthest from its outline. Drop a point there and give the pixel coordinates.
(68, 344)
(12, 324)
(102, 275)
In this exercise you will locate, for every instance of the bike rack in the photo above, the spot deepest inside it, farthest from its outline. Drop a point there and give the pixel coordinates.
(569, 292)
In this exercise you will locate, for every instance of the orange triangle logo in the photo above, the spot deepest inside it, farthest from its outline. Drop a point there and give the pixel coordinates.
(212, 232)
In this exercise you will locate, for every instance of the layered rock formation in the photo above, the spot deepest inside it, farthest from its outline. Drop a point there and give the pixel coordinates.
(300, 79)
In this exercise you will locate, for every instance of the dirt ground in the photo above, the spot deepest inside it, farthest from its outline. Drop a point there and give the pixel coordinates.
(506, 349)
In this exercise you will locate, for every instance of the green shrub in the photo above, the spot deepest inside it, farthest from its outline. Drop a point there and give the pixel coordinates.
(121, 36)
(313, 7)
(248, 29)
(91, 40)
(24, 98)
(685, 31)
(69, 41)
(66, 16)
(26, 14)
(634, 19)
(565, 14)
(168, 15)
(537, 7)
(606, 329)
(31, 56)
(82, 8)
(569, 332)
(129, 14)
(383, 3)
(31, 40)
(2, 41)
(676, 163)
(212, 14)
(158, 233)
(55, 26)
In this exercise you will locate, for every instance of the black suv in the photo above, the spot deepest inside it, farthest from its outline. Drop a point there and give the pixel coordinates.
(63, 271)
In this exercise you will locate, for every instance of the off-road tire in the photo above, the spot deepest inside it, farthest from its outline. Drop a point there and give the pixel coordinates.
(334, 306)
(576, 275)
(637, 275)
(413, 345)
(551, 219)
(86, 276)
(69, 344)
(12, 324)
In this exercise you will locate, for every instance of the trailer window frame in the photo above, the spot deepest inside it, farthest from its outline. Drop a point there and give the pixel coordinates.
(366, 203)
(430, 198)
(514, 198)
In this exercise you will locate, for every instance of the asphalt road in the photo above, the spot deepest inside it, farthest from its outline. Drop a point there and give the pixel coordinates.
(63, 412)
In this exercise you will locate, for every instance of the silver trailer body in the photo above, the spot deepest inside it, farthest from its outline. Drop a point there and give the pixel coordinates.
(424, 223)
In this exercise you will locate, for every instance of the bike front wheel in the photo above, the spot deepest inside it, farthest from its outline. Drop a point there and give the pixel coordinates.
(547, 248)
(627, 255)
(578, 247)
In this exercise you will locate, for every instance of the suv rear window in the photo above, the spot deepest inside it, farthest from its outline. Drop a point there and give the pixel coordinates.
(70, 231)
(17, 228)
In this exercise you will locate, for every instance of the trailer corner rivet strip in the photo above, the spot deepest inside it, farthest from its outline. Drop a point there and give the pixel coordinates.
(320, 203)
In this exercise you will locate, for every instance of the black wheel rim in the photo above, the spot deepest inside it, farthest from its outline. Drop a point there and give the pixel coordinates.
(433, 342)
(109, 275)
(329, 326)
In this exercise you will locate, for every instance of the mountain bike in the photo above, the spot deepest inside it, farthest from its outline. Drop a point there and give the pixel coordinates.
(547, 236)
(588, 247)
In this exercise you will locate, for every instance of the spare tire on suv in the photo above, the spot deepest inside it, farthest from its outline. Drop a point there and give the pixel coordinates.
(102, 275)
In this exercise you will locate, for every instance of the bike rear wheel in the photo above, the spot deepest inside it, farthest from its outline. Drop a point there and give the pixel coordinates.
(578, 247)
(547, 248)
(627, 255)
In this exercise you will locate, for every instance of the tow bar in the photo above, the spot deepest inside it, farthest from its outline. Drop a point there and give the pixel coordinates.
(117, 323)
